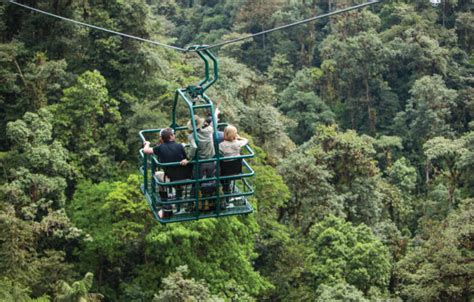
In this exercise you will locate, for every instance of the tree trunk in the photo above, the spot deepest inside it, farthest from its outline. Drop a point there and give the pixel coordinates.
(444, 13)
(370, 110)
(427, 172)
(29, 87)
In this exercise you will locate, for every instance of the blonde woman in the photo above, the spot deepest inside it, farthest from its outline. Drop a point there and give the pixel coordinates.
(232, 142)
(231, 147)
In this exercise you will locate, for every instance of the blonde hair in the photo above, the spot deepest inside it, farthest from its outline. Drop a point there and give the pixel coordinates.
(230, 133)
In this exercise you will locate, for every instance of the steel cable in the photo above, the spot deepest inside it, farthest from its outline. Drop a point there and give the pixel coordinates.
(206, 46)
(293, 24)
(99, 28)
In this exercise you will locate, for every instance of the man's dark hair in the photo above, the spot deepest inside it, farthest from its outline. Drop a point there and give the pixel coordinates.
(208, 121)
(166, 134)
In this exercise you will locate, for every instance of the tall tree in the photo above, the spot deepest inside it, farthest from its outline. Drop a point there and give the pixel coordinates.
(340, 178)
(36, 233)
(299, 102)
(427, 112)
(30, 82)
(342, 252)
(439, 263)
(339, 292)
(87, 120)
(177, 288)
(444, 154)
(77, 291)
(357, 66)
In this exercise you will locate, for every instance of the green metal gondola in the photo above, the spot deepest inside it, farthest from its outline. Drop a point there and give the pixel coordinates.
(186, 199)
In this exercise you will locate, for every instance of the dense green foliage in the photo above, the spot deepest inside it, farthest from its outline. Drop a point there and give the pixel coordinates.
(362, 126)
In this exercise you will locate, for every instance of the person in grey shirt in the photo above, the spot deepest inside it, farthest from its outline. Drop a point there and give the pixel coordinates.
(205, 145)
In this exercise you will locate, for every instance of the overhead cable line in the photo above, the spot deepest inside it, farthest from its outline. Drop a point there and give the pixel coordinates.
(98, 27)
(340, 11)
(294, 24)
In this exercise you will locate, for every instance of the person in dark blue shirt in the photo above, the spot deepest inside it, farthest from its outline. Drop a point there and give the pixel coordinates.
(169, 151)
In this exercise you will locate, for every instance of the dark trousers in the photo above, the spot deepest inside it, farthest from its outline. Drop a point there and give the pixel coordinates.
(232, 167)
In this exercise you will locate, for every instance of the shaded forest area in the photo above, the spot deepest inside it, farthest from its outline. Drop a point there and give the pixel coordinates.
(362, 125)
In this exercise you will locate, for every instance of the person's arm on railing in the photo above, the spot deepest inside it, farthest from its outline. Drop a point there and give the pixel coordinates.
(216, 115)
(146, 148)
(184, 160)
(242, 141)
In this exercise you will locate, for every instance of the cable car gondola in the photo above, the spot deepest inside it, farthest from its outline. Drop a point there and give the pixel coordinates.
(196, 197)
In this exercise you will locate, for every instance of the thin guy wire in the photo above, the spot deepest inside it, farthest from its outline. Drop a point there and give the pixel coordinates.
(205, 47)
(98, 27)
(292, 24)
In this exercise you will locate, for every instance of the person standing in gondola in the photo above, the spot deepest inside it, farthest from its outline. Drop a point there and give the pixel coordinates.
(205, 145)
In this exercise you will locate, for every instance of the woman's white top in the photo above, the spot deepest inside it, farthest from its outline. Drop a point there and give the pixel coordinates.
(232, 148)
